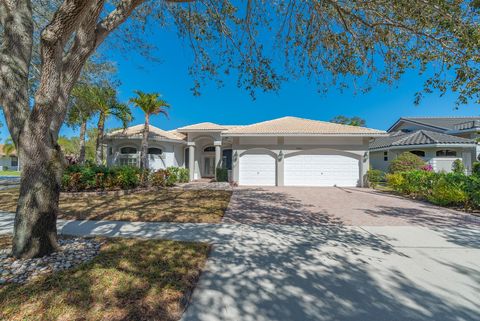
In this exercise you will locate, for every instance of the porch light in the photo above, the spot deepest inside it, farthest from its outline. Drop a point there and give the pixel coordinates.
(280, 156)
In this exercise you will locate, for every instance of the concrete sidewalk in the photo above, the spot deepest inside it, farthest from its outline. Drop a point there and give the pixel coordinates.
(329, 272)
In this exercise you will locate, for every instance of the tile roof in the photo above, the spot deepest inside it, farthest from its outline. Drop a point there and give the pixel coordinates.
(300, 126)
(421, 137)
(446, 123)
(154, 132)
(205, 126)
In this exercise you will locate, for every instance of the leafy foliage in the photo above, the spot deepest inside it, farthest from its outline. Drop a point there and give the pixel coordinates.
(150, 104)
(352, 121)
(222, 174)
(445, 189)
(476, 168)
(375, 176)
(169, 176)
(458, 166)
(406, 162)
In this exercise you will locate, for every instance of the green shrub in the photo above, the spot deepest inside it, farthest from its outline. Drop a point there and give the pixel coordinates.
(222, 174)
(126, 176)
(183, 175)
(458, 167)
(445, 192)
(476, 168)
(406, 162)
(375, 176)
(396, 181)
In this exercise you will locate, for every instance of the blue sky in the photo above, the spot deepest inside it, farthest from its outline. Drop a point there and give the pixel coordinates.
(231, 105)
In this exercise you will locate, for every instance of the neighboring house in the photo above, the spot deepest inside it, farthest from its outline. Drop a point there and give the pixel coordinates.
(288, 151)
(438, 140)
(8, 162)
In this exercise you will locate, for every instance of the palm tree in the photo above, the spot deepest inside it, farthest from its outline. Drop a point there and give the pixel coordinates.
(9, 147)
(151, 104)
(104, 100)
(80, 113)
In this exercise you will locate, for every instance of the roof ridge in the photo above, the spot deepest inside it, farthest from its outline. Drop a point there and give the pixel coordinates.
(427, 133)
(442, 117)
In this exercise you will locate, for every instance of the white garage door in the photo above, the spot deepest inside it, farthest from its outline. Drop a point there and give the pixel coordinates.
(321, 170)
(257, 169)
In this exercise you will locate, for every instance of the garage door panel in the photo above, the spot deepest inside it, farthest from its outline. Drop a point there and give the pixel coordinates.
(257, 170)
(321, 170)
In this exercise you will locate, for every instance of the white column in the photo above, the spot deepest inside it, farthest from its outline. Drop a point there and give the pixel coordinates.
(218, 155)
(191, 160)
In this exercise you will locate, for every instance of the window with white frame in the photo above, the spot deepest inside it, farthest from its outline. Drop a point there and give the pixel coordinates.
(446, 153)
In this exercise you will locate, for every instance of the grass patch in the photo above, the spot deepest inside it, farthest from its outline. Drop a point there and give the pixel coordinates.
(167, 205)
(130, 279)
(9, 173)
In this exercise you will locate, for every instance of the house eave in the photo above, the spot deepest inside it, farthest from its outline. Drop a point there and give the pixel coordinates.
(416, 123)
(449, 145)
(302, 135)
(157, 139)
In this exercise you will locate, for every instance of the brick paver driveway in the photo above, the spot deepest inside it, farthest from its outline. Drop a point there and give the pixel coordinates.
(332, 205)
(339, 254)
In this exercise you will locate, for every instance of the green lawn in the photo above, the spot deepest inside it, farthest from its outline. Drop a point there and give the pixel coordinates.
(129, 280)
(9, 173)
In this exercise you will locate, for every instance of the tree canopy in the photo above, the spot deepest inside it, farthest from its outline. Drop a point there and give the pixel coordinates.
(352, 121)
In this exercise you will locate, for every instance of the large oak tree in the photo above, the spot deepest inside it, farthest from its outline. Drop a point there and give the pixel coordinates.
(263, 43)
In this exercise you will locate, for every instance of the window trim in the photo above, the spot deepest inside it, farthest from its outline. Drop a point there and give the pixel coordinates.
(159, 154)
(445, 153)
(418, 151)
(122, 153)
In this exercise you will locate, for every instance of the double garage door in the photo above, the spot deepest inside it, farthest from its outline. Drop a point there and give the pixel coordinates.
(300, 170)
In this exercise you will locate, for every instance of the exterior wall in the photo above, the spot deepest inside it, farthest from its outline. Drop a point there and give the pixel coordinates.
(438, 163)
(172, 153)
(6, 163)
(281, 147)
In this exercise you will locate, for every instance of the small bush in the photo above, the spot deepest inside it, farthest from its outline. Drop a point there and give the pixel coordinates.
(458, 166)
(406, 162)
(159, 178)
(447, 193)
(127, 176)
(396, 181)
(375, 176)
(222, 174)
(476, 169)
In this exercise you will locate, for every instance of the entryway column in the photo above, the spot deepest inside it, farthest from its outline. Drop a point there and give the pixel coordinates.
(191, 160)
(218, 155)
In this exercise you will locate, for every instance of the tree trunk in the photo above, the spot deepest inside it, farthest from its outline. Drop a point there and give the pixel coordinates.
(83, 129)
(144, 149)
(35, 230)
(99, 142)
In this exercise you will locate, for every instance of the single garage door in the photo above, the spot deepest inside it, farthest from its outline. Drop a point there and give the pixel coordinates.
(321, 170)
(257, 169)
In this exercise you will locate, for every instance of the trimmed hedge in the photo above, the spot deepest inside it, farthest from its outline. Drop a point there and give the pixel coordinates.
(375, 176)
(445, 189)
(91, 177)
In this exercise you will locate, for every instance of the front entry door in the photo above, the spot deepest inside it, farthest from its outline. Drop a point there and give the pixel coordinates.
(209, 166)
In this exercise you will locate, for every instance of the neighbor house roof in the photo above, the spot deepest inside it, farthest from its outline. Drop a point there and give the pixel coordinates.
(421, 137)
(137, 131)
(443, 123)
(205, 127)
(2, 151)
(295, 126)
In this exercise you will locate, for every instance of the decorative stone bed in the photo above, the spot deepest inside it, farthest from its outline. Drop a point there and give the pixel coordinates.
(74, 251)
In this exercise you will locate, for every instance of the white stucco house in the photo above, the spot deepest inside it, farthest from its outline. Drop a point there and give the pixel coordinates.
(8, 162)
(438, 140)
(288, 151)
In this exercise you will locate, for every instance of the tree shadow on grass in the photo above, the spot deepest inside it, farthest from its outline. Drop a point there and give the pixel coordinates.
(129, 280)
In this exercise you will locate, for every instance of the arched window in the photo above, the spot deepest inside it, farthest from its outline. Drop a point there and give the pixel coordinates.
(128, 150)
(446, 153)
(209, 149)
(419, 153)
(155, 151)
